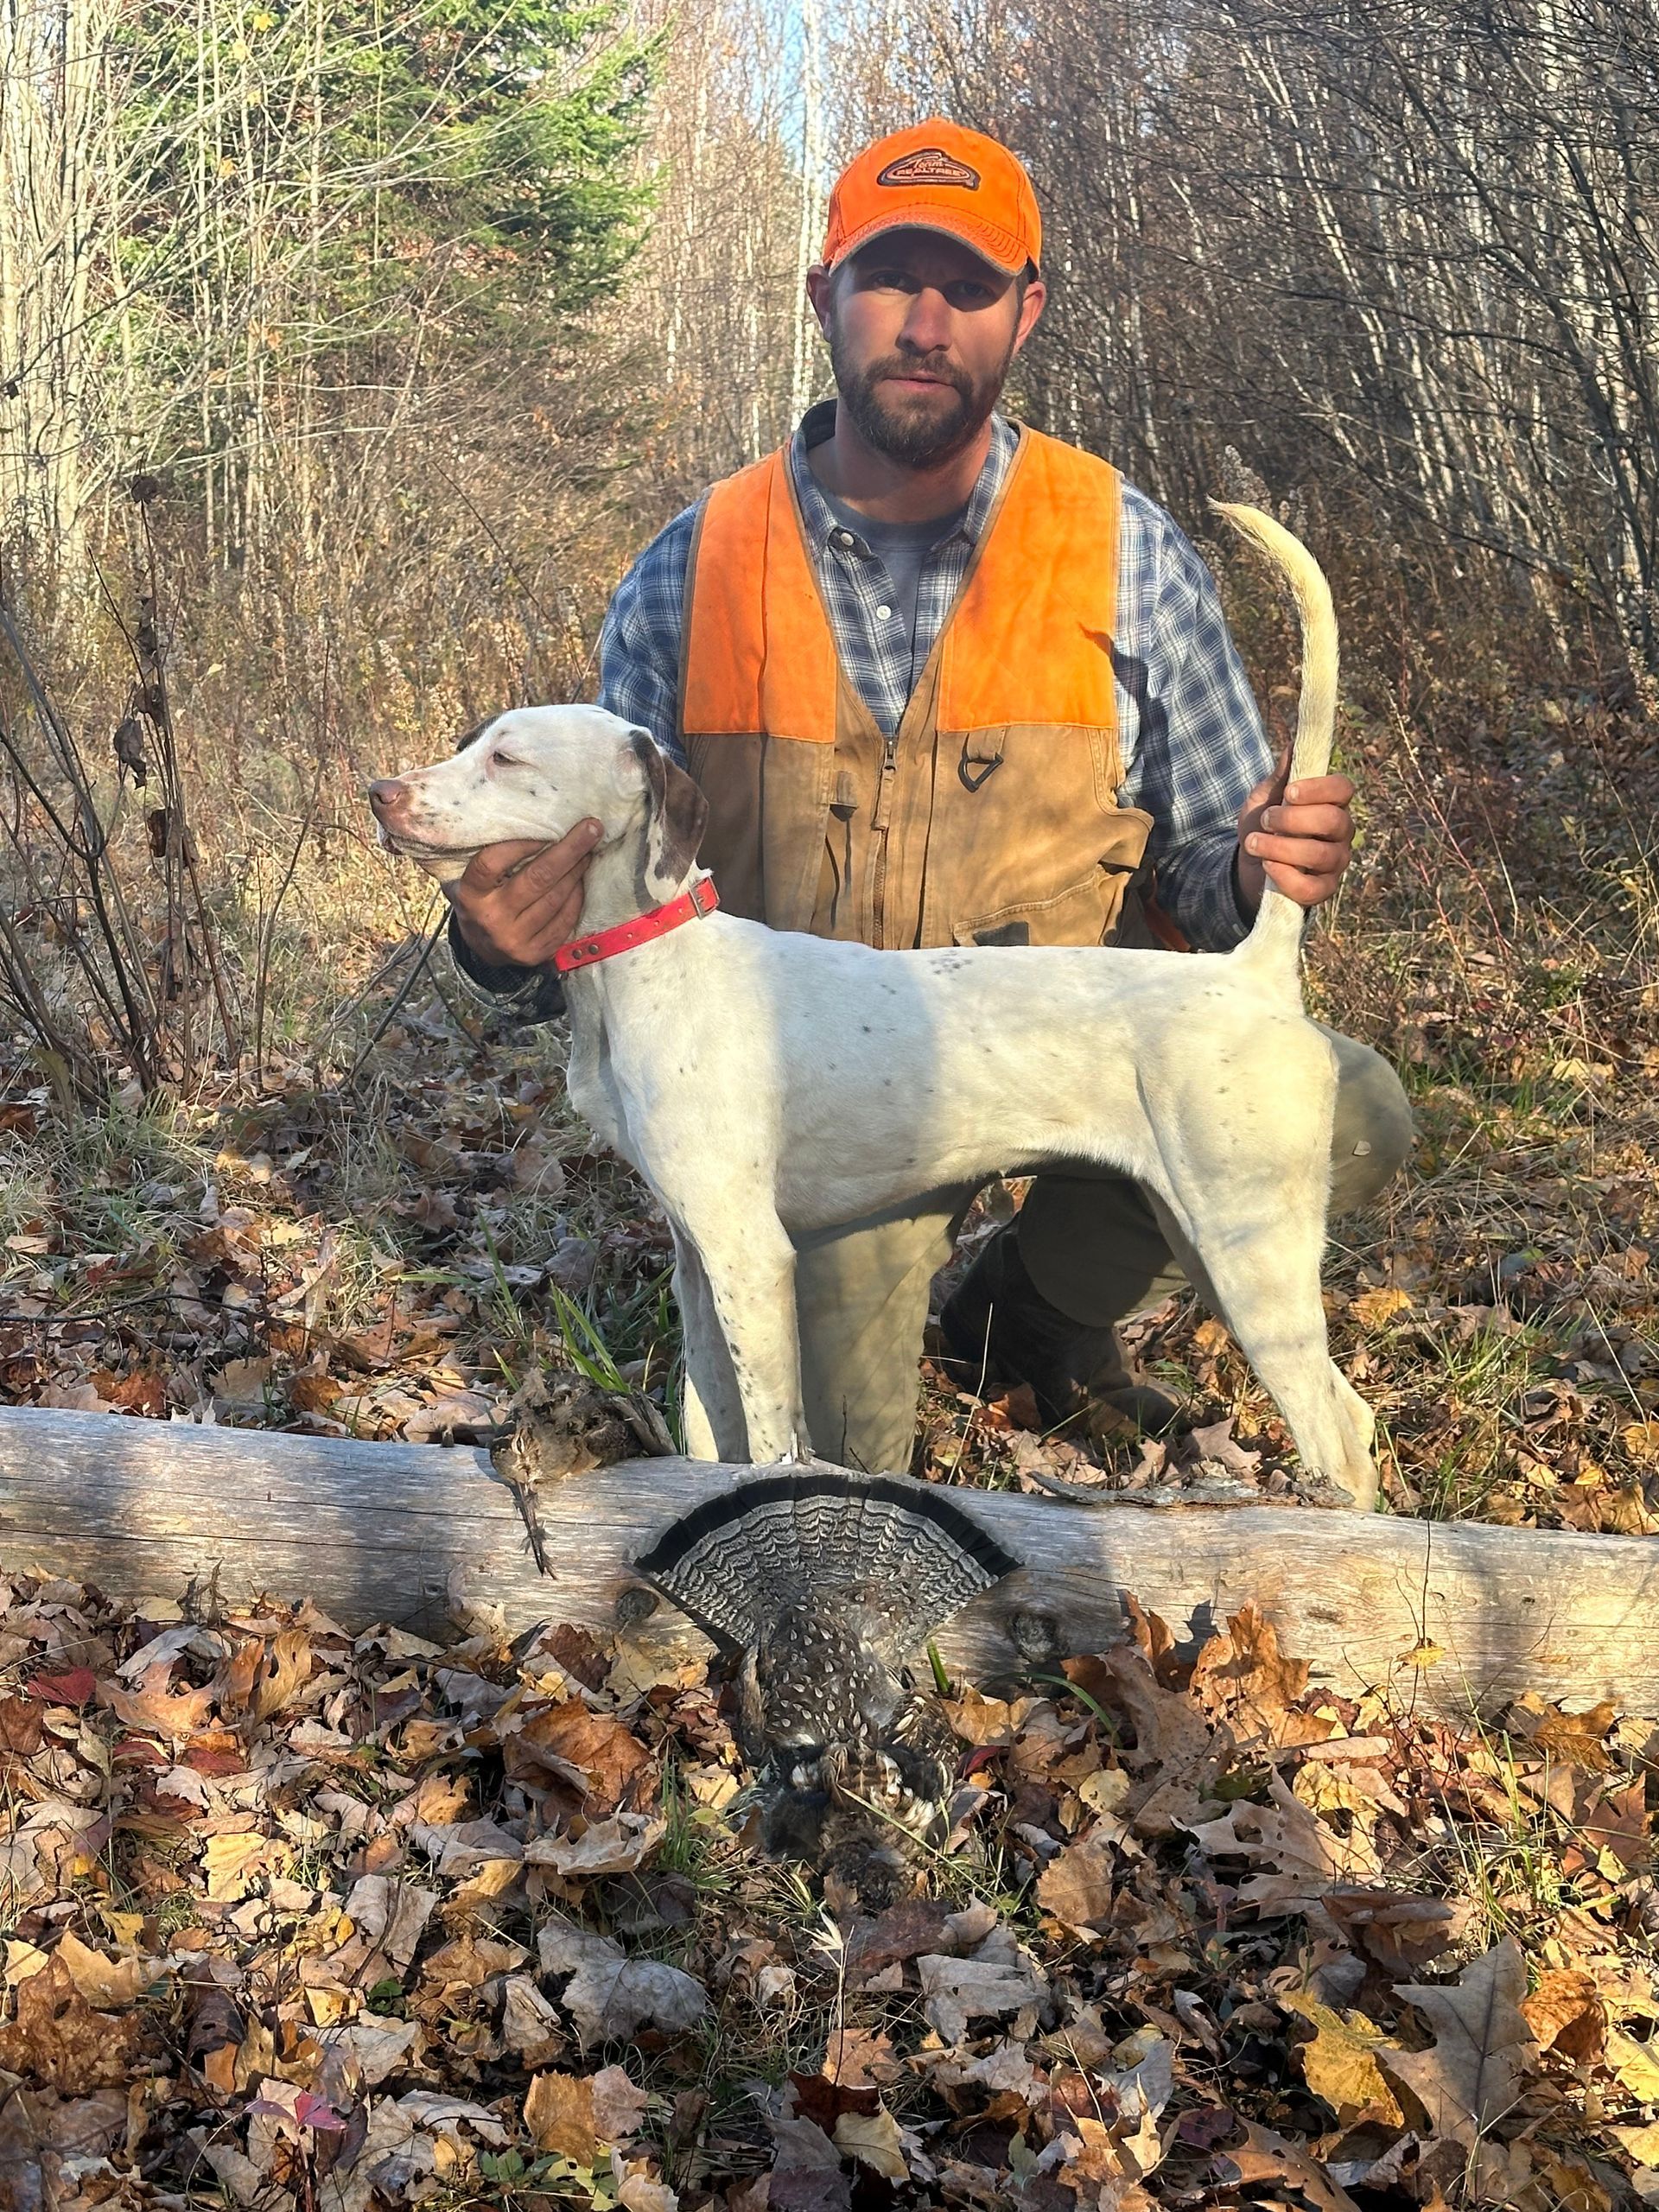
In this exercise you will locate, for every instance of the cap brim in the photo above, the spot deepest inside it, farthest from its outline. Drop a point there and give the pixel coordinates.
(988, 240)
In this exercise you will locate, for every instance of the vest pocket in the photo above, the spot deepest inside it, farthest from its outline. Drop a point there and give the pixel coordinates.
(1085, 912)
(1026, 844)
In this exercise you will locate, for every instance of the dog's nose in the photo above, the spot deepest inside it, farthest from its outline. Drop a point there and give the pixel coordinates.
(388, 795)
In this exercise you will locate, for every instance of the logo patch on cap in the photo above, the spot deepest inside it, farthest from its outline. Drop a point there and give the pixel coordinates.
(930, 165)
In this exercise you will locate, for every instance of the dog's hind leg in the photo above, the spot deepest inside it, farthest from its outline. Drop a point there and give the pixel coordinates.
(1261, 1276)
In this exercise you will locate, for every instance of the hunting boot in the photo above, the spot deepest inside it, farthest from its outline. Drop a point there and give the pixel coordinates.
(1000, 1331)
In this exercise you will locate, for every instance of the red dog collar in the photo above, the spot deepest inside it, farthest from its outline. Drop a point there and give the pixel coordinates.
(690, 906)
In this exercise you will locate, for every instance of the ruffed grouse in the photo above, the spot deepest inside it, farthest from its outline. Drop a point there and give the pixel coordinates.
(824, 1584)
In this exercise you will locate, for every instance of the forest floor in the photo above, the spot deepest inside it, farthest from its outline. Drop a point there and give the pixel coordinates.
(312, 1915)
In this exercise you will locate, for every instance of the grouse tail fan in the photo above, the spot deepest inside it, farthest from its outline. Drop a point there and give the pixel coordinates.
(900, 1548)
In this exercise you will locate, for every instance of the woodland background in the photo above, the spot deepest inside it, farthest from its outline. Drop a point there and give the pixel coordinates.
(348, 350)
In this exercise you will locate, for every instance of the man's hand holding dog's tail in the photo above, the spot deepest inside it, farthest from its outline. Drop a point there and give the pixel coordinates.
(1298, 836)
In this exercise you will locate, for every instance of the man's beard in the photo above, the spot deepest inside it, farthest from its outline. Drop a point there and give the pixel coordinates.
(918, 434)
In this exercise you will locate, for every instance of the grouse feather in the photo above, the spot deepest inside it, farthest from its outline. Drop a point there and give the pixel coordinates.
(779, 1541)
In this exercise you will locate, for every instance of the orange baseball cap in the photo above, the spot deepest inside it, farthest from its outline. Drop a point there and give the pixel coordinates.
(936, 177)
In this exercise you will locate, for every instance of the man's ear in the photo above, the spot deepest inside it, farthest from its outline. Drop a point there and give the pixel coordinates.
(676, 813)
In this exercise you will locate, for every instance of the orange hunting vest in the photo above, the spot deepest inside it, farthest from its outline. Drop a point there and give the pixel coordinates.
(991, 817)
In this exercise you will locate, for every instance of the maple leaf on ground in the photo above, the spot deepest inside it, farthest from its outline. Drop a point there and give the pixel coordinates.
(1076, 1888)
(559, 2114)
(155, 1709)
(1000, 1978)
(1340, 2063)
(1243, 1677)
(1177, 1754)
(1300, 1856)
(57, 2039)
(1566, 2013)
(610, 1995)
(860, 2058)
(591, 1755)
(1470, 2077)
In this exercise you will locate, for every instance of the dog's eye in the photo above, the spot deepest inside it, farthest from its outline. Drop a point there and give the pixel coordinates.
(505, 760)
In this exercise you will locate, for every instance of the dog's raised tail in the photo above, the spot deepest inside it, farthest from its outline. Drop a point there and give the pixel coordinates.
(1278, 930)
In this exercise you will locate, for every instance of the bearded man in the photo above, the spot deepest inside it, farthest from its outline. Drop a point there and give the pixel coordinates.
(945, 680)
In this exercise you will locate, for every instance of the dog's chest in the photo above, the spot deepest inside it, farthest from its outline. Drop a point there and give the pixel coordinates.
(591, 1082)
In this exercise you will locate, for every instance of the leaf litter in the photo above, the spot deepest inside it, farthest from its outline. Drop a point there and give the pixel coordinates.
(333, 1922)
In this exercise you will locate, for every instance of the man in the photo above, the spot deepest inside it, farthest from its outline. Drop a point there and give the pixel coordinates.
(943, 680)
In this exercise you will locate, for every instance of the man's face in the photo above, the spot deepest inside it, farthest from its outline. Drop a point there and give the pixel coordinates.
(921, 334)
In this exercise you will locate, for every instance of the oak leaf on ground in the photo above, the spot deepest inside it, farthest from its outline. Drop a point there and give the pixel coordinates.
(1470, 2077)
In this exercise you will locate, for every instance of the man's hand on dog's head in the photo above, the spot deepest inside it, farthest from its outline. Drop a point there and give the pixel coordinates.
(1300, 836)
(518, 902)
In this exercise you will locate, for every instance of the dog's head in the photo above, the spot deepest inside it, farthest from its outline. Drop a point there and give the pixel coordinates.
(534, 774)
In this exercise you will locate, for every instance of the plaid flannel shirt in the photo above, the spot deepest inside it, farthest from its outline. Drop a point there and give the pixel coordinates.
(1189, 737)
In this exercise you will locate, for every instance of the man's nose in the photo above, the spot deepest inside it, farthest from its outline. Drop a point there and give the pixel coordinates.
(927, 326)
(388, 796)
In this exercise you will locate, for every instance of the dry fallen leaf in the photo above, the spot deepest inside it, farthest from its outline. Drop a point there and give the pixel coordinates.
(559, 2113)
(234, 1862)
(286, 1666)
(1339, 2063)
(1635, 2064)
(1076, 1887)
(876, 2140)
(59, 2040)
(108, 1985)
(592, 1752)
(956, 1991)
(1470, 2078)
(619, 2104)
(619, 1845)
(1564, 2012)
(1265, 2156)
(157, 1710)
(1242, 1676)
(610, 1998)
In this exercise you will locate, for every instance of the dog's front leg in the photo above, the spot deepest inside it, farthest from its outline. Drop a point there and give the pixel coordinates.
(711, 1412)
(747, 1266)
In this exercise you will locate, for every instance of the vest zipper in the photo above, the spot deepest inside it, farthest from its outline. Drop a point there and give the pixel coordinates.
(879, 827)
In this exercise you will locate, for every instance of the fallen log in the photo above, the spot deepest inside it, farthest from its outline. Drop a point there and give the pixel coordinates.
(418, 1533)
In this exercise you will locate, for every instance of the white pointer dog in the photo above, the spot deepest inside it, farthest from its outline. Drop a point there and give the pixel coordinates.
(764, 1083)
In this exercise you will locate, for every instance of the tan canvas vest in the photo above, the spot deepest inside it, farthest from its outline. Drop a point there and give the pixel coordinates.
(991, 816)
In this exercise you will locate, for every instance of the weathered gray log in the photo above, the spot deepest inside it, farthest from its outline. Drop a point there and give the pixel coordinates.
(393, 1532)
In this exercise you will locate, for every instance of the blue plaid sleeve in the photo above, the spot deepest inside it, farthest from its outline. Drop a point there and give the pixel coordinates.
(1199, 747)
(640, 643)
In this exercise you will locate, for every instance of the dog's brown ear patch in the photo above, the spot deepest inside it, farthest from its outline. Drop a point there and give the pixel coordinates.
(678, 813)
(475, 733)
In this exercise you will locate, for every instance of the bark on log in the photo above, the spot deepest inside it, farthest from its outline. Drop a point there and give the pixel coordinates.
(398, 1532)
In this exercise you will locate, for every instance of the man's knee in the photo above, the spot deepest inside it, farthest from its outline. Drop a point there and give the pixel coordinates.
(1373, 1133)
